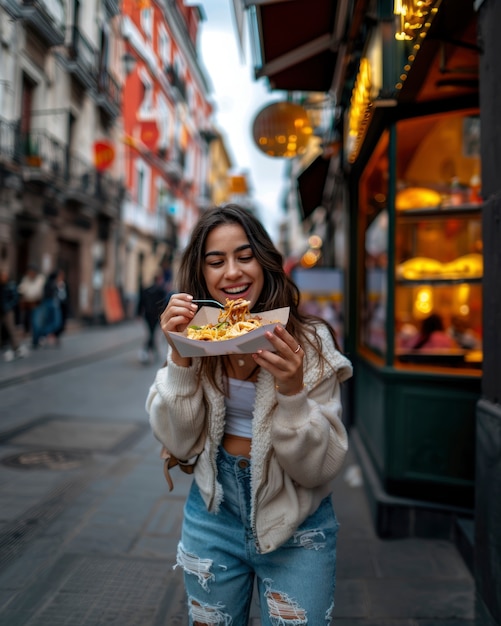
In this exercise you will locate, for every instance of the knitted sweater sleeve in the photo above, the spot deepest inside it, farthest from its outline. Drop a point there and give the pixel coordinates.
(309, 439)
(177, 412)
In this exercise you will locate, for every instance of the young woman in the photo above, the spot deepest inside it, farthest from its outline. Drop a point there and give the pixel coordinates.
(266, 432)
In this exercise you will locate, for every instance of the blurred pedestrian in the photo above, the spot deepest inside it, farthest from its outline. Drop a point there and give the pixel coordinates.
(64, 303)
(31, 293)
(432, 335)
(8, 300)
(47, 316)
(263, 434)
(152, 302)
(166, 269)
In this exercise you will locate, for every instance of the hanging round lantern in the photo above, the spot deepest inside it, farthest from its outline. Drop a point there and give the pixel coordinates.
(282, 129)
(104, 154)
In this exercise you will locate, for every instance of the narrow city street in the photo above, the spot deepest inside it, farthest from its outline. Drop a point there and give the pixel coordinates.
(89, 529)
(88, 532)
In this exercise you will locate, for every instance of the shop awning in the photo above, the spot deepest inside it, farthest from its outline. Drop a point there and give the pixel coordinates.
(299, 42)
(311, 183)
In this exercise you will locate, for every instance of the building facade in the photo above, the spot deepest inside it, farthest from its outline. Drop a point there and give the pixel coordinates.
(107, 147)
(167, 119)
(59, 95)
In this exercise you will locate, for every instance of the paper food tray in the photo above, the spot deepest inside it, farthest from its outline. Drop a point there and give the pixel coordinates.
(244, 344)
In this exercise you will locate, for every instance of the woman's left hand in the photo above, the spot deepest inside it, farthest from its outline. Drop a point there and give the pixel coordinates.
(285, 363)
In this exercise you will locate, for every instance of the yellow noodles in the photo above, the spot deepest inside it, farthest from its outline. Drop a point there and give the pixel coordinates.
(233, 321)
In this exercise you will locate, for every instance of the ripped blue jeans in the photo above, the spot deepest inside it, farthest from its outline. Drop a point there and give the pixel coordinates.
(295, 583)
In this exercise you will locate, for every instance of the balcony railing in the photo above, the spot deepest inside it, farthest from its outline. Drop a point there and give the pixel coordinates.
(8, 140)
(86, 185)
(173, 163)
(83, 59)
(179, 156)
(45, 159)
(175, 80)
(80, 179)
(109, 96)
(41, 153)
(46, 17)
(110, 191)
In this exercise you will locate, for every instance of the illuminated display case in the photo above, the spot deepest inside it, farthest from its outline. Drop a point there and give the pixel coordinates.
(435, 246)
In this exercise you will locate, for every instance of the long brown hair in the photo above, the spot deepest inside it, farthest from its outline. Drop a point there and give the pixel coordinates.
(278, 289)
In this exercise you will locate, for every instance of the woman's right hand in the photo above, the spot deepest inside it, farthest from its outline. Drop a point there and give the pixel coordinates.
(175, 318)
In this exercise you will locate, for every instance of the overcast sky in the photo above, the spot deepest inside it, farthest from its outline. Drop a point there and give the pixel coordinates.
(238, 98)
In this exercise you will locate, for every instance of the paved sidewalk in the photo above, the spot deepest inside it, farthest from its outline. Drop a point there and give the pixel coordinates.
(118, 551)
(78, 345)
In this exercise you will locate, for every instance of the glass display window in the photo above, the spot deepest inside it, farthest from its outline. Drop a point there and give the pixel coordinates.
(373, 222)
(434, 218)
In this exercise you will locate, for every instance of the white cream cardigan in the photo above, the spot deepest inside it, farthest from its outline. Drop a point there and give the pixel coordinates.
(298, 444)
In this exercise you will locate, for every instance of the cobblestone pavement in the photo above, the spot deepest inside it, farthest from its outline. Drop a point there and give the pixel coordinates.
(88, 529)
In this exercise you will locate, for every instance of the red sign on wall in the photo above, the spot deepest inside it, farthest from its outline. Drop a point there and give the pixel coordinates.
(150, 134)
(104, 153)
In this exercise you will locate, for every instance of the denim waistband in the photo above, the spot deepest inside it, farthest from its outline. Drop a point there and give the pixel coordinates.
(225, 460)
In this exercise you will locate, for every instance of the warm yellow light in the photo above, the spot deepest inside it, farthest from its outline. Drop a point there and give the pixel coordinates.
(310, 258)
(412, 17)
(462, 294)
(282, 129)
(360, 105)
(315, 242)
(397, 7)
(417, 198)
(423, 302)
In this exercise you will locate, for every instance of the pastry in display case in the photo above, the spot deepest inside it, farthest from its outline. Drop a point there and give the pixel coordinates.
(438, 291)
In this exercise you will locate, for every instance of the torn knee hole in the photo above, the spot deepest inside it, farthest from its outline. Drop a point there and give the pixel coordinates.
(283, 609)
(195, 566)
(207, 615)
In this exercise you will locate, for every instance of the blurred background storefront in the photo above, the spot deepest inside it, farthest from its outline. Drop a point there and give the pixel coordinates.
(394, 184)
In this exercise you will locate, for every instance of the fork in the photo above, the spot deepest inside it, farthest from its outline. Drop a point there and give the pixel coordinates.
(221, 306)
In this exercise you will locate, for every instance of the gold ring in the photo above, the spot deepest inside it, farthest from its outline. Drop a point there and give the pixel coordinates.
(298, 348)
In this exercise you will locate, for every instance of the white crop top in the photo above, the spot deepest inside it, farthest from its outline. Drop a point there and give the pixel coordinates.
(239, 406)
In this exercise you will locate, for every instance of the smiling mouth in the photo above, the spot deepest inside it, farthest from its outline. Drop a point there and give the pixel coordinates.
(236, 291)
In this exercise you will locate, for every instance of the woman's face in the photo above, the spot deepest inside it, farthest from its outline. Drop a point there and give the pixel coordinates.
(230, 267)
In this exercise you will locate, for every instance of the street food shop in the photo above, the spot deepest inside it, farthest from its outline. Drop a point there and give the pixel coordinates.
(412, 154)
